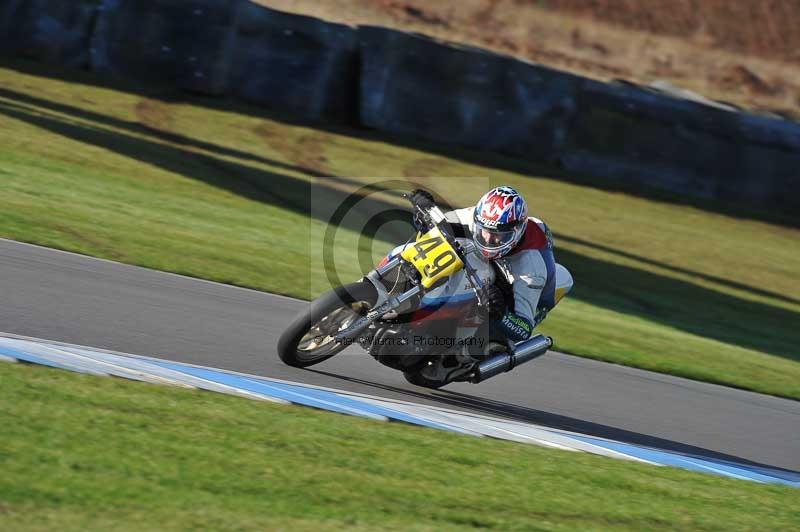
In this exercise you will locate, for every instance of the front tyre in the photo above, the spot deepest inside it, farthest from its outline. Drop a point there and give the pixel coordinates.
(310, 338)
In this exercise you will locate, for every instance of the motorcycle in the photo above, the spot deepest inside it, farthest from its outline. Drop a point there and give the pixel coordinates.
(385, 309)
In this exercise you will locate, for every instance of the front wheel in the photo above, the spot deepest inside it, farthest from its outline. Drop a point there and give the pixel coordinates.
(310, 338)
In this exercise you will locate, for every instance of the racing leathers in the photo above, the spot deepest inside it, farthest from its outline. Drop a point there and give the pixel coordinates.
(530, 272)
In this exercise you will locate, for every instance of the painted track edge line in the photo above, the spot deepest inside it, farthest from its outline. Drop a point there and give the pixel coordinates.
(732, 470)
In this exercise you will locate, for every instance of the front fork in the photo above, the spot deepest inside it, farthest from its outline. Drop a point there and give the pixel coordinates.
(385, 302)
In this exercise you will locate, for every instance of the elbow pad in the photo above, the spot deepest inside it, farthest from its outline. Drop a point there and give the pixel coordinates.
(516, 328)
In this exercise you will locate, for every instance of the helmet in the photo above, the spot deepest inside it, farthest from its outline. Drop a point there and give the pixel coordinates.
(500, 217)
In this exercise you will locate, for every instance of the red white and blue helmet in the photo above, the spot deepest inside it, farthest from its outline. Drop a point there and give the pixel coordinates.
(501, 216)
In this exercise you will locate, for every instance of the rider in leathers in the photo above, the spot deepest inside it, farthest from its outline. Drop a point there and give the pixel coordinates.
(522, 247)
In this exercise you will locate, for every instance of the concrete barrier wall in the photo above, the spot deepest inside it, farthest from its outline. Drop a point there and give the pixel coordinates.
(184, 43)
(296, 64)
(685, 146)
(53, 31)
(412, 85)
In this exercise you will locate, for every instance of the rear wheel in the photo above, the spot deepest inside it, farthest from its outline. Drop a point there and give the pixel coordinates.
(417, 379)
(310, 338)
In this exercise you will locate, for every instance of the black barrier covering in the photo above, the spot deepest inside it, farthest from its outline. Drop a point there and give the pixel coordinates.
(768, 161)
(182, 43)
(49, 30)
(295, 64)
(628, 132)
(413, 85)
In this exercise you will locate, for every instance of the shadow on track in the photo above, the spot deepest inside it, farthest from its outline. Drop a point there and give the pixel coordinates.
(163, 91)
(491, 407)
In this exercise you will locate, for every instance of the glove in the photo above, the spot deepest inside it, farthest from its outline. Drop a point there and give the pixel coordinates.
(423, 199)
(516, 328)
(494, 307)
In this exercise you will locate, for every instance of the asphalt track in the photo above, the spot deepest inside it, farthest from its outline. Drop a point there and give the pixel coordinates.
(66, 297)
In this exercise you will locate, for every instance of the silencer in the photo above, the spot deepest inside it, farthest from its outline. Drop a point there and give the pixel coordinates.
(525, 352)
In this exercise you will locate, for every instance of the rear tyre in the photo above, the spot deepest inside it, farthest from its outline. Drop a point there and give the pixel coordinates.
(309, 339)
(417, 379)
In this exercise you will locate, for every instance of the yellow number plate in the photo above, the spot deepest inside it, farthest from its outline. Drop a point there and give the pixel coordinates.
(433, 257)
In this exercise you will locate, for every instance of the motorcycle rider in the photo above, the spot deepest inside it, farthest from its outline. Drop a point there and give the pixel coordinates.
(521, 247)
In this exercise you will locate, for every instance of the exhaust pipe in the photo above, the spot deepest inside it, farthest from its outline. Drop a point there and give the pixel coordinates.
(525, 352)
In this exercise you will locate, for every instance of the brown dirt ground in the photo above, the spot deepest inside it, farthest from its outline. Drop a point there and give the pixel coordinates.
(307, 152)
(745, 52)
(154, 114)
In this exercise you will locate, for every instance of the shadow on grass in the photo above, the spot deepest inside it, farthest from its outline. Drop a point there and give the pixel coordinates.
(472, 156)
(713, 278)
(267, 186)
(656, 298)
(216, 149)
(136, 127)
(685, 306)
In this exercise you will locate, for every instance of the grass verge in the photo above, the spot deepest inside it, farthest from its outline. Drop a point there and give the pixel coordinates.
(224, 192)
(89, 453)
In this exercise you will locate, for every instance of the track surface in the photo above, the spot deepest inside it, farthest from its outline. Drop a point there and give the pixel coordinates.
(65, 297)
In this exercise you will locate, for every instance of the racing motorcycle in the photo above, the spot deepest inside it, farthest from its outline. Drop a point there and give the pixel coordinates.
(388, 312)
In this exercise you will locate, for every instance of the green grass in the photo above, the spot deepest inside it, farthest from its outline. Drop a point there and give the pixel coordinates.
(91, 453)
(230, 193)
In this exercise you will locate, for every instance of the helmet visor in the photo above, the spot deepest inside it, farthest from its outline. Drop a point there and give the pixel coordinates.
(492, 239)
